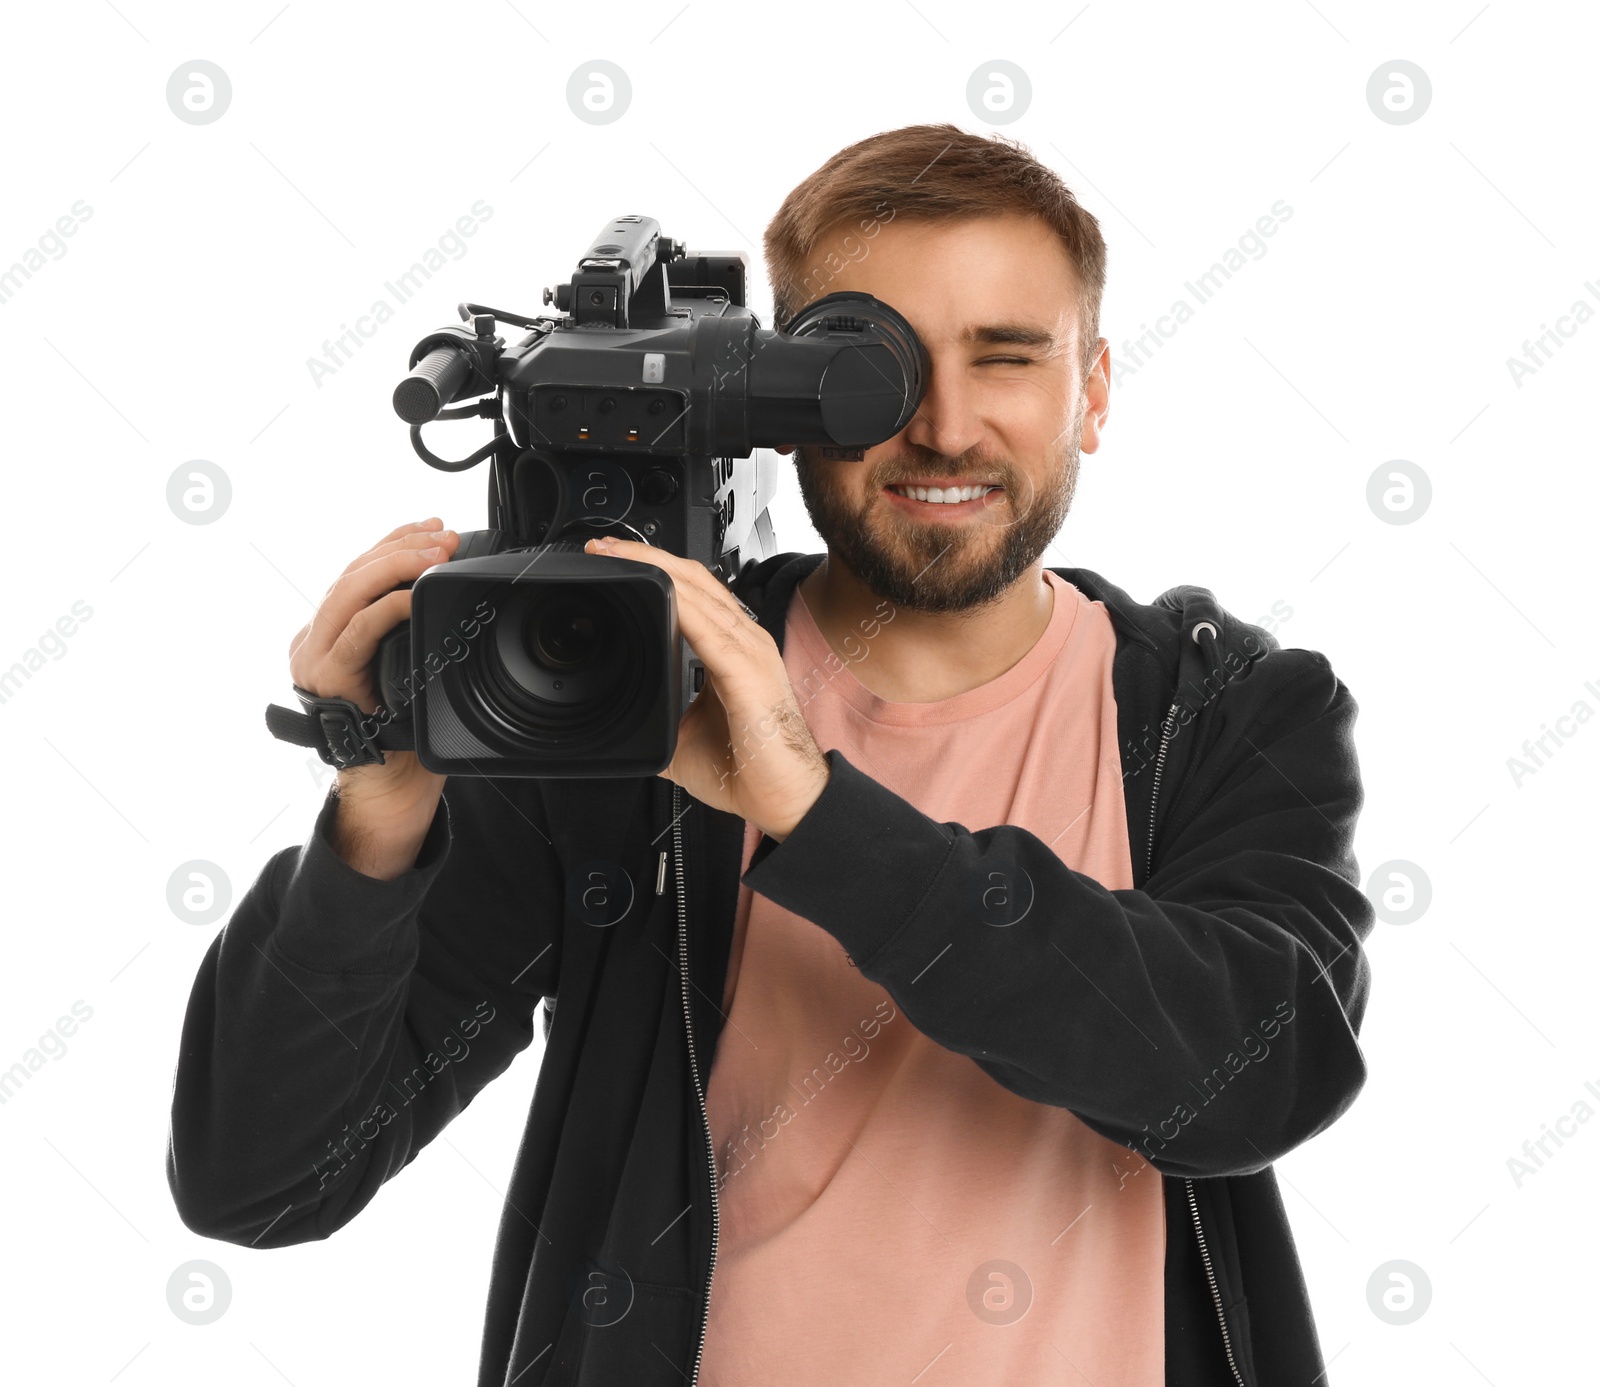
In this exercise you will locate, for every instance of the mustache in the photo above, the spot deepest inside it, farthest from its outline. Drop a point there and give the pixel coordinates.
(990, 472)
(981, 472)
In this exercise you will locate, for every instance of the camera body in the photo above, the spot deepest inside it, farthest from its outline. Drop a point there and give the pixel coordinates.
(643, 412)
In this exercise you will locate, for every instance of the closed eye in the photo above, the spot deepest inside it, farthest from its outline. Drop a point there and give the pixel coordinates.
(1007, 361)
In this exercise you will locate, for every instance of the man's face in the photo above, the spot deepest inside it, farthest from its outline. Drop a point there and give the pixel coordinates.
(1007, 413)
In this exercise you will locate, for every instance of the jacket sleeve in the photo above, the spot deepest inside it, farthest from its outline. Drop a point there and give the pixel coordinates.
(1208, 1019)
(338, 1022)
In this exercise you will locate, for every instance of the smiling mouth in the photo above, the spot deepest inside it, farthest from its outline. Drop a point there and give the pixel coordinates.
(953, 496)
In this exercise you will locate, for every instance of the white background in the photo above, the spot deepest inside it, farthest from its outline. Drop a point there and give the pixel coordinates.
(177, 326)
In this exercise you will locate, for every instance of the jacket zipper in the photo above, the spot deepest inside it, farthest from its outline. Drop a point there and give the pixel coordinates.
(694, 1069)
(1188, 1185)
(1216, 1296)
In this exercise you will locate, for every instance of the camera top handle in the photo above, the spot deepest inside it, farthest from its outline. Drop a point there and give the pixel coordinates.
(647, 325)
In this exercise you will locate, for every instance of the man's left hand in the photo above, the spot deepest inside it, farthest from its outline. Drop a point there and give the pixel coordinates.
(743, 746)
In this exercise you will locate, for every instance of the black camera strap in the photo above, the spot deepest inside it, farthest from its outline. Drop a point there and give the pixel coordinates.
(338, 731)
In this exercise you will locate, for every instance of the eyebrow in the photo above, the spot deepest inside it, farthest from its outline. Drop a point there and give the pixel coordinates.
(1009, 334)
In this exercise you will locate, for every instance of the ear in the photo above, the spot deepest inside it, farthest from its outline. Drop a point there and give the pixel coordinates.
(785, 448)
(1097, 398)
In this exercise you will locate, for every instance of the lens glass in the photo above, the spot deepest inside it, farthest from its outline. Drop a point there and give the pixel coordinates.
(566, 663)
(565, 632)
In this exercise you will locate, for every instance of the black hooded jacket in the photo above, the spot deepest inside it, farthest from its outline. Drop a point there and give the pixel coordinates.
(1206, 1018)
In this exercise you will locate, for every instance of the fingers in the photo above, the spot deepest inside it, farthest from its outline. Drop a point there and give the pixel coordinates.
(700, 590)
(362, 586)
(355, 647)
(400, 557)
(714, 623)
(448, 540)
(683, 571)
(706, 605)
(717, 628)
(418, 534)
(415, 536)
(431, 523)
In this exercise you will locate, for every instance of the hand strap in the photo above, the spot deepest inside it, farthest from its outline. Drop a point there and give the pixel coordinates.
(338, 731)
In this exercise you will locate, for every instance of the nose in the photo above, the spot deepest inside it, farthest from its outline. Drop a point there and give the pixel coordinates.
(946, 422)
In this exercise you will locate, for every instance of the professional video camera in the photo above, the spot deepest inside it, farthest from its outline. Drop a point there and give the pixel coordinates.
(637, 415)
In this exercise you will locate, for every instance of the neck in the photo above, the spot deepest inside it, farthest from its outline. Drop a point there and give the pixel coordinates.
(923, 657)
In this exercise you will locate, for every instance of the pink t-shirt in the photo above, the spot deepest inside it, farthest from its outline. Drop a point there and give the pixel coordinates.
(889, 1213)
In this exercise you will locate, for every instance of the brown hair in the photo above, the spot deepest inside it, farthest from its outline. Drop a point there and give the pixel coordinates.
(924, 173)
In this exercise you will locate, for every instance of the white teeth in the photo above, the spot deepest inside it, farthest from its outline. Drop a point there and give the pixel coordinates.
(942, 495)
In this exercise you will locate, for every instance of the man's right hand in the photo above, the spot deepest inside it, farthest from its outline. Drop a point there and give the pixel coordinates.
(384, 811)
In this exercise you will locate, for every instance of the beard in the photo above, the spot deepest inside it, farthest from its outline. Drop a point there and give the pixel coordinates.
(936, 566)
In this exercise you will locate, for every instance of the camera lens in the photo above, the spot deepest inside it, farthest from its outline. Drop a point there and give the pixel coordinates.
(561, 647)
(566, 664)
(566, 631)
